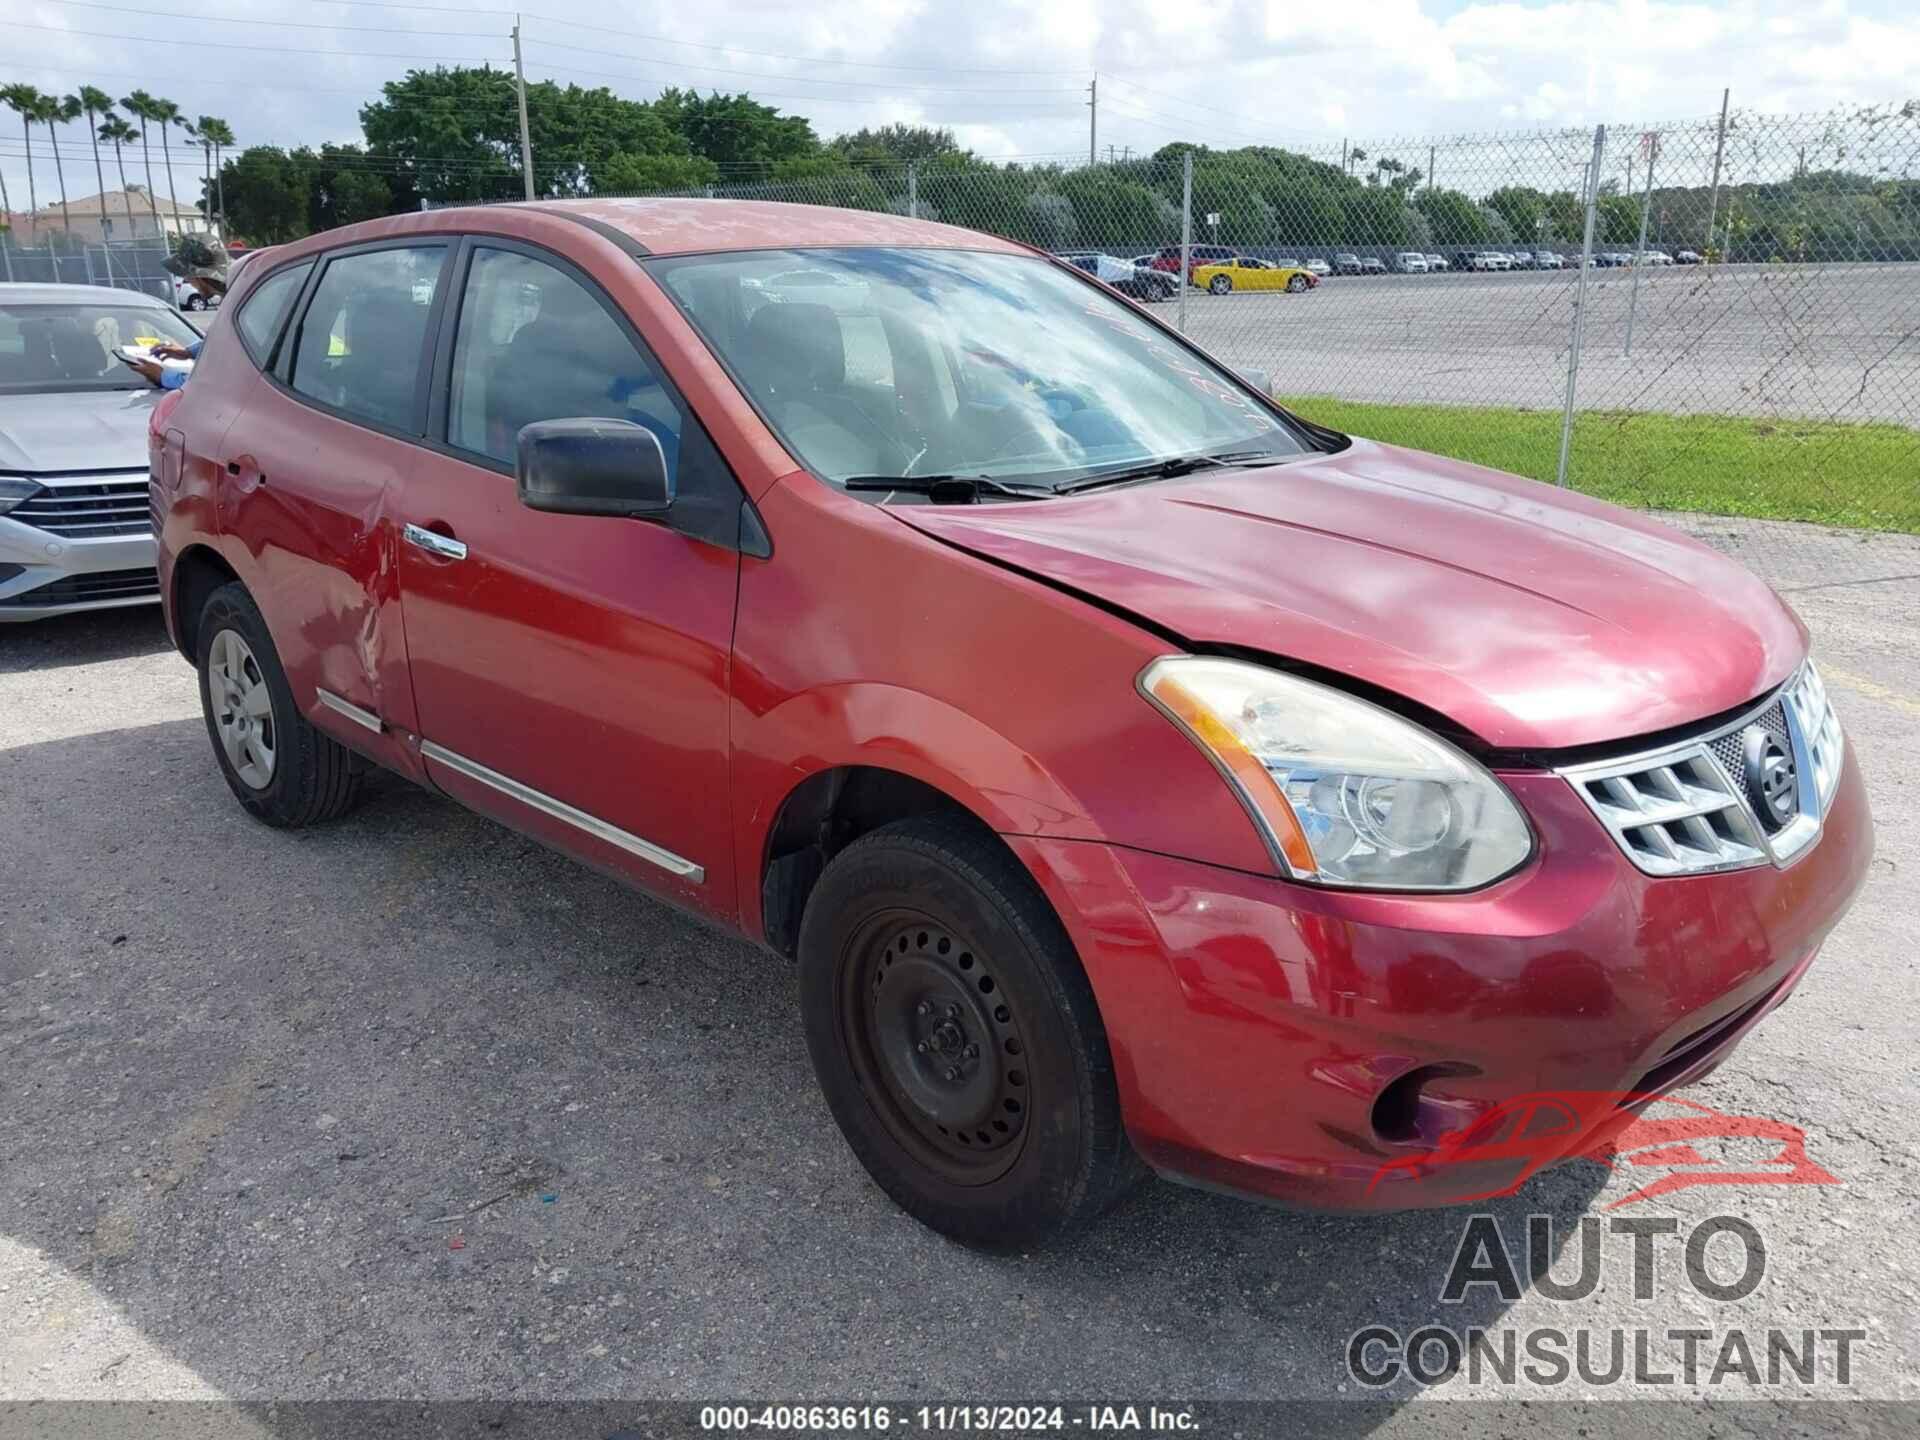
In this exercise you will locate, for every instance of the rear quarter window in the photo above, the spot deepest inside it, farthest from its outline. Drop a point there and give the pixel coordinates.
(264, 311)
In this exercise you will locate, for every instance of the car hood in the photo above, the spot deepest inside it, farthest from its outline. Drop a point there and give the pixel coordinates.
(75, 430)
(1531, 617)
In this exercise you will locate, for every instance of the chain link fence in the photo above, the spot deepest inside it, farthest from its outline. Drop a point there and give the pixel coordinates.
(1719, 315)
(129, 266)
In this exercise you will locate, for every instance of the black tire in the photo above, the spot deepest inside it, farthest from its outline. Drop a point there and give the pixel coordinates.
(195, 302)
(313, 777)
(1296, 283)
(1220, 284)
(956, 1037)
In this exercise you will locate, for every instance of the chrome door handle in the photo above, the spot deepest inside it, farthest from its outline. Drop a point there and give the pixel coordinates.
(434, 543)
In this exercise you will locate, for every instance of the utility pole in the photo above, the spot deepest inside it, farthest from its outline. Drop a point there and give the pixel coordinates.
(1719, 149)
(520, 88)
(1430, 150)
(1093, 121)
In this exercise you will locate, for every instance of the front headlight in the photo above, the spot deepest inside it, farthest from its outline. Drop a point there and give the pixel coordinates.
(1344, 792)
(13, 491)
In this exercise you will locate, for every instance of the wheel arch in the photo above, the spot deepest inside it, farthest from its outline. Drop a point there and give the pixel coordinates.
(198, 571)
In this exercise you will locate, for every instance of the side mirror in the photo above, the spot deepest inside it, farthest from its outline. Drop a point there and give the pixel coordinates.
(593, 467)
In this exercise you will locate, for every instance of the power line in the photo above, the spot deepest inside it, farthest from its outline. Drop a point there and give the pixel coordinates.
(272, 49)
(776, 95)
(200, 17)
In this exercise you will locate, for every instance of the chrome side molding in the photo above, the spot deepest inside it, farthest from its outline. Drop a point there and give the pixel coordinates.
(365, 719)
(506, 785)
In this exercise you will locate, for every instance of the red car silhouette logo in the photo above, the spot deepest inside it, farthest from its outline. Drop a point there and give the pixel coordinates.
(1693, 1144)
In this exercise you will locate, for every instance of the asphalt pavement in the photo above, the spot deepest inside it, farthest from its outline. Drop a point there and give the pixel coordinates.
(408, 1107)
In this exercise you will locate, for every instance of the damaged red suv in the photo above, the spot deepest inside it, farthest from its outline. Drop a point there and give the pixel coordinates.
(1136, 771)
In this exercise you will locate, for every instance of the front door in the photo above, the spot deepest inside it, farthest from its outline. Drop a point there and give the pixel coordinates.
(570, 672)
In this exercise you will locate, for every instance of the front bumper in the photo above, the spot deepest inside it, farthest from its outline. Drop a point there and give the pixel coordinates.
(1254, 1023)
(44, 574)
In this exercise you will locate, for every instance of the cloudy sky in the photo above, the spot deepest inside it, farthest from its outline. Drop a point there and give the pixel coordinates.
(1009, 76)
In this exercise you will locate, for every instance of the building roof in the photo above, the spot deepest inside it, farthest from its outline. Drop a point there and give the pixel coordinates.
(114, 203)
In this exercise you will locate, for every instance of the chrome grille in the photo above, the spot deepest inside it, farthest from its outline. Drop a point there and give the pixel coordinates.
(89, 511)
(1685, 809)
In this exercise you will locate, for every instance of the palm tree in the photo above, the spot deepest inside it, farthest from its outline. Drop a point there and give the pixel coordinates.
(24, 101)
(93, 103)
(117, 132)
(213, 128)
(168, 113)
(140, 105)
(59, 110)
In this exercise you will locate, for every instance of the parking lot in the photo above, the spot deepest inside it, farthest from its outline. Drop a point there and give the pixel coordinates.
(1819, 342)
(407, 1106)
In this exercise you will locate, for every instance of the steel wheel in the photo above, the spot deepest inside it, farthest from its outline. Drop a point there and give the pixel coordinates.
(242, 708)
(937, 1046)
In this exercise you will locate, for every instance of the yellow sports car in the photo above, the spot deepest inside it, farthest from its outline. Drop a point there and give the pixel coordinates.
(1242, 273)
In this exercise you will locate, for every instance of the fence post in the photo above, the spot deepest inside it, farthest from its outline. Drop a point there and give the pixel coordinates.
(913, 189)
(6, 255)
(1186, 232)
(1719, 149)
(1580, 303)
(1640, 245)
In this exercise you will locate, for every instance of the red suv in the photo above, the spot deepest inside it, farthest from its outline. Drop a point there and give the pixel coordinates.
(1136, 771)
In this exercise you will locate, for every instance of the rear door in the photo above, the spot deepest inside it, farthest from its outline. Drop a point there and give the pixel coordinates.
(308, 465)
(570, 672)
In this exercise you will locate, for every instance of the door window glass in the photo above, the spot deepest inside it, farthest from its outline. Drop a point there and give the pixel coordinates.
(536, 344)
(362, 341)
(260, 316)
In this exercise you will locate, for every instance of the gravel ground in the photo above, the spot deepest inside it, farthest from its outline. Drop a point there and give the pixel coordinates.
(1819, 342)
(407, 1107)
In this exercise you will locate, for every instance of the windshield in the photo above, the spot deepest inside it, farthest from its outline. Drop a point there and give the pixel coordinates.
(50, 348)
(921, 363)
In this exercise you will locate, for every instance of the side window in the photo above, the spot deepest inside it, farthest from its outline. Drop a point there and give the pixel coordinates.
(536, 344)
(361, 342)
(265, 309)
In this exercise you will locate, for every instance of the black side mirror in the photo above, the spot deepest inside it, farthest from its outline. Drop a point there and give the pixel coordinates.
(593, 467)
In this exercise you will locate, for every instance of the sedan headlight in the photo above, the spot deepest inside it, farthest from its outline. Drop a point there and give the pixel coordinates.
(14, 490)
(1343, 792)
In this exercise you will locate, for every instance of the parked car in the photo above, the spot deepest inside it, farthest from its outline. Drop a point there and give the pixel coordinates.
(1095, 833)
(1316, 265)
(1197, 255)
(185, 297)
(1655, 257)
(1686, 257)
(1548, 260)
(1345, 264)
(1372, 265)
(74, 527)
(1490, 260)
(1126, 277)
(1244, 273)
(1436, 262)
(1409, 262)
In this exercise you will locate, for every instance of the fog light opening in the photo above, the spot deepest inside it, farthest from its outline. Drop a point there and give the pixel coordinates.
(1403, 1114)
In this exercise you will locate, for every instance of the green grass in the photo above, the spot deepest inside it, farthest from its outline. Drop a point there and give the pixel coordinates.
(1861, 476)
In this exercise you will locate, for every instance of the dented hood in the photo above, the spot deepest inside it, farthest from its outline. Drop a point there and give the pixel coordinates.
(1531, 617)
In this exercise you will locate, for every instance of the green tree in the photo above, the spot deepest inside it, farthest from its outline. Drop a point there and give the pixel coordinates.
(24, 101)
(53, 111)
(1521, 206)
(898, 144)
(268, 195)
(1374, 217)
(624, 174)
(116, 132)
(93, 102)
(144, 107)
(215, 130)
(1452, 218)
(735, 130)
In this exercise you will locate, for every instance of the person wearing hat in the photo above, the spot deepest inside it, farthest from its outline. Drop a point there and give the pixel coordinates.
(203, 266)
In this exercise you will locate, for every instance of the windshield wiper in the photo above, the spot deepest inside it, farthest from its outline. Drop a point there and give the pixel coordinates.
(1176, 466)
(946, 489)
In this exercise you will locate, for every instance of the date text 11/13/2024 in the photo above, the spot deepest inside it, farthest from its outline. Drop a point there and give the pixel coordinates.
(947, 1419)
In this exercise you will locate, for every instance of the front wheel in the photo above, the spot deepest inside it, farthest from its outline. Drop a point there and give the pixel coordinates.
(1297, 283)
(1220, 284)
(956, 1037)
(280, 768)
(195, 302)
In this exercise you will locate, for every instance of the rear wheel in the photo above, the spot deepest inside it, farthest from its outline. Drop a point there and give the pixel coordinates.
(1220, 284)
(956, 1037)
(281, 769)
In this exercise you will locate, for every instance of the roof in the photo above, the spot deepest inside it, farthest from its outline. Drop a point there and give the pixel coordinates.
(683, 226)
(114, 202)
(24, 294)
